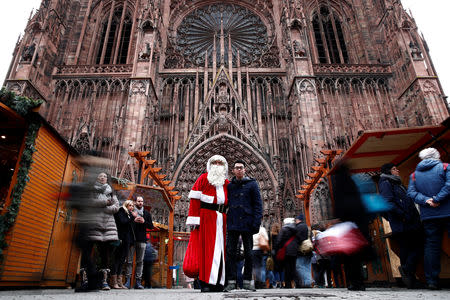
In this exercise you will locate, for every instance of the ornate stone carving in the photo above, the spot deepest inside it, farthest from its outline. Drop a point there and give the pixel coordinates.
(101, 70)
(232, 150)
(415, 50)
(349, 69)
(198, 31)
(320, 202)
(138, 87)
(28, 52)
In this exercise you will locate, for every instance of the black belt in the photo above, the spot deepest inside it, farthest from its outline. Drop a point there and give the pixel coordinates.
(222, 208)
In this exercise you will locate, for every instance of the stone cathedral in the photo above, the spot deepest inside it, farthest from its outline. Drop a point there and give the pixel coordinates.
(271, 82)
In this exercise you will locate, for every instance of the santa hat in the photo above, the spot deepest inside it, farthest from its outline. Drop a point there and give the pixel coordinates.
(429, 153)
(217, 158)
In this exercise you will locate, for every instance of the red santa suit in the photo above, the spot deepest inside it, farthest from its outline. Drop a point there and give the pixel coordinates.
(212, 227)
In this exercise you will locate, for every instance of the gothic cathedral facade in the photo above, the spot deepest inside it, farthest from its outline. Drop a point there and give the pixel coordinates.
(271, 82)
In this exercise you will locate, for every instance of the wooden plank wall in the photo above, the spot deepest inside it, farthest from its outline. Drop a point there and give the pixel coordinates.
(29, 238)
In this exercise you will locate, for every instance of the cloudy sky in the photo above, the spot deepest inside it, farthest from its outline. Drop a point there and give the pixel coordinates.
(431, 17)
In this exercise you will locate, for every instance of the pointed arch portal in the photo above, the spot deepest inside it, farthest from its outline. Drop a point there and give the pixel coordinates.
(194, 164)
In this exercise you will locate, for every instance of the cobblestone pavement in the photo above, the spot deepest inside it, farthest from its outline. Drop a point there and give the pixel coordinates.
(188, 294)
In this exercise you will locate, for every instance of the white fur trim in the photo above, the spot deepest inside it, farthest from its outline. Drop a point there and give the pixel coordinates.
(220, 195)
(195, 194)
(207, 199)
(219, 252)
(193, 221)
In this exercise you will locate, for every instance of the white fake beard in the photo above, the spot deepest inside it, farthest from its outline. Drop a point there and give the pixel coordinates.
(216, 175)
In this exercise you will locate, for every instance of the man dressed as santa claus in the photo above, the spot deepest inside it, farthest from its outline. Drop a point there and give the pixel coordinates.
(207, 212)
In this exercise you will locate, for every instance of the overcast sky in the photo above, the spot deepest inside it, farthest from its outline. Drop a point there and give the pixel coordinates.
(431, 17)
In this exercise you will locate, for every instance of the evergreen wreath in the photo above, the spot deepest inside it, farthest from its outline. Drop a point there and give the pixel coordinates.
(22, 105)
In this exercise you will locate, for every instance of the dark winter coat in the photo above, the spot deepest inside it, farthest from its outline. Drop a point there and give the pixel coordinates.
(125, 226)
(299, 231)
(244, 205)
(140, 228)
(431, 181)
(403, 215)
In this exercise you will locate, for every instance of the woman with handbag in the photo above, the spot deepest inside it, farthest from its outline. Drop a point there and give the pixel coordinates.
(404, 220)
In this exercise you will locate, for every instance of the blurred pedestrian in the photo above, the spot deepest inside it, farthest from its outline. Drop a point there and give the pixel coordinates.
(320, 263)
(289, 238)
(278, 274)
(404, 221)
(304, 254)
(429, 186)
(259, 269)
(150, 256)
(96, 204)
(348, 206)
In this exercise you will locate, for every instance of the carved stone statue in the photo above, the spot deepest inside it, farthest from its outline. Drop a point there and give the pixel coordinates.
(146, 54)
(223, 96)
(415, 50)
(28, 52)
(299, 51)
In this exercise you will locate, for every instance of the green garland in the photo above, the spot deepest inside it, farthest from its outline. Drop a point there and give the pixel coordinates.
(122, 181)
(22, 106)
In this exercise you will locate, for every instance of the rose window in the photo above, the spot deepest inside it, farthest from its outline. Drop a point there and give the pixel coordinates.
(199, 29)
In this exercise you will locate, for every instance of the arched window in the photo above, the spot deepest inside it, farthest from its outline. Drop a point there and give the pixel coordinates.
(115, 38)
(329, 37)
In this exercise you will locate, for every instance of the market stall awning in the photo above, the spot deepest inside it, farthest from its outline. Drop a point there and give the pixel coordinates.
(375, 148)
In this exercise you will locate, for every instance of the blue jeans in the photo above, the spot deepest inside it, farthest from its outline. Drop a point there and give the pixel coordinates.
(258, 265)
(303, 266)
(434, 229)
(271, 277)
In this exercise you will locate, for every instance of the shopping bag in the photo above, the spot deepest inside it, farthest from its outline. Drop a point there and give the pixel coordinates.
(263, 243)
(343, 238)
(191, 263)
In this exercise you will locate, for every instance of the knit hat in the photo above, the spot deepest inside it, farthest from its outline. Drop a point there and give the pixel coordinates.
(300, 217)
(386, 168)
(429, 153)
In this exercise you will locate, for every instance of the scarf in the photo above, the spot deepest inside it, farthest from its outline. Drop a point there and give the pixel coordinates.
(140, 211)
(102, 188)
(394, 179)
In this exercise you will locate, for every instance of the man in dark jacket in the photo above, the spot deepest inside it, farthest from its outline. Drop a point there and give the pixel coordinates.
(142, 221)
(243, 219)
(404, 220)
(429, 186)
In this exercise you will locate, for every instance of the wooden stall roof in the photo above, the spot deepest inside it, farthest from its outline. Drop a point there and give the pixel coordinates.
(154, 196)
(375, 148)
